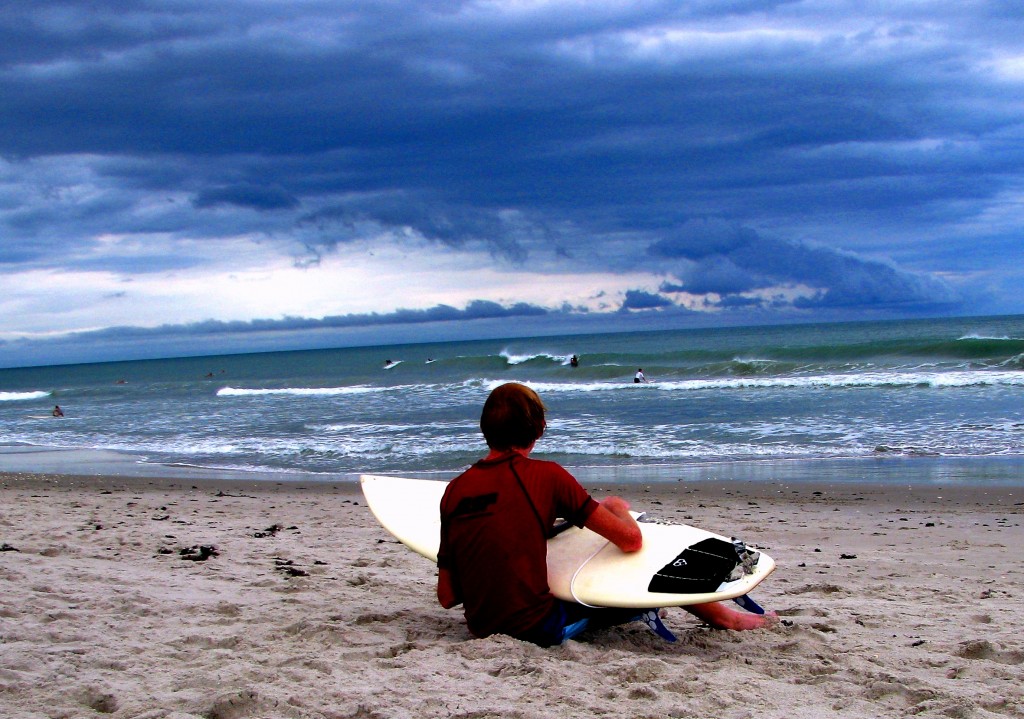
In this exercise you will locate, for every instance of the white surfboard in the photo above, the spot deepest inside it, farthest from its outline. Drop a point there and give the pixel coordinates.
(678, 564)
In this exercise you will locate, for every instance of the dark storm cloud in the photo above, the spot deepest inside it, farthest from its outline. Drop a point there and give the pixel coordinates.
(217, 336)
(727, 260)
(640, 300)
(255, 197)
(505, 233)
(475, 310)
(738, 302)
(717, 274)
(578, 138)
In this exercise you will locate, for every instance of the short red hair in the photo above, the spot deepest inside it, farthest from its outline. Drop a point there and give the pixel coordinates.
(513, 417)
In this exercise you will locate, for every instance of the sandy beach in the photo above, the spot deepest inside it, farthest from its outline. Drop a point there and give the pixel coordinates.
(182, 599)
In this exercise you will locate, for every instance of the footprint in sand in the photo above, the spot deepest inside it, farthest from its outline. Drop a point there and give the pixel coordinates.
(984, 650)
(100, 701)
(245, 703)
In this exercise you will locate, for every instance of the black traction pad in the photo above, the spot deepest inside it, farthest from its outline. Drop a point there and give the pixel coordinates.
(698, 569)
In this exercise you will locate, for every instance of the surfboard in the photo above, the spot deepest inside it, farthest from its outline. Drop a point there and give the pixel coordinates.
(678, 564)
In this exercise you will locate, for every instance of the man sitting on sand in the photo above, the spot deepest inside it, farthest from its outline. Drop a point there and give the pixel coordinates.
(495, 522)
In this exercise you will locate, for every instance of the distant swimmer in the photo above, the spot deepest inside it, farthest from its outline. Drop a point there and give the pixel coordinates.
(639, 376)
(57, 411)
(574, 361)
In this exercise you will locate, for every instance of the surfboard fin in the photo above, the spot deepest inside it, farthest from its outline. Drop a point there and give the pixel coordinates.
(749, 604)
(652, 619)
(570, 631)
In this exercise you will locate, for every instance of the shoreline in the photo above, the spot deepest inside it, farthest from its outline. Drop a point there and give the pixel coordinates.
(896, 600)
(880, 469)
(824, 490)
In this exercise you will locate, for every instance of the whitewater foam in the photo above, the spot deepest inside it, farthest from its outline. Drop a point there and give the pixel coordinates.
(297, 391)
(22, 396)
(518, 359)
(987, 338)
(826, 381)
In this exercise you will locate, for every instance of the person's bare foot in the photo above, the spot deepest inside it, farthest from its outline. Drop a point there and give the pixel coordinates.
(720, 616)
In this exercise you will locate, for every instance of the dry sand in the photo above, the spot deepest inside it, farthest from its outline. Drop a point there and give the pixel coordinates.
(897, 602)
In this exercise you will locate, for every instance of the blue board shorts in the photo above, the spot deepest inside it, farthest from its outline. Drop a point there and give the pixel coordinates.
(567, 619)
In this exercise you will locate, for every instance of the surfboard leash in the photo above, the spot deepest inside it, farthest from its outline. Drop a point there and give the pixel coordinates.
(572, 582)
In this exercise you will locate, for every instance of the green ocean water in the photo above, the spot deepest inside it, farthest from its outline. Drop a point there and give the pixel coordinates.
(719, 402)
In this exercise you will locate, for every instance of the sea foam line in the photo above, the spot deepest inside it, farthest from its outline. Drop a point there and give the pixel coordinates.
(516, 359)
(834, 381)
(826, 381)
(21, 396)
(297, 391)
(868, 379)
(1001, 338)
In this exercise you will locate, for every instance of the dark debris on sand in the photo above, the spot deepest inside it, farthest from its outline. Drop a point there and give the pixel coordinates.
(288, 568)
(199, 552)
(272, 530)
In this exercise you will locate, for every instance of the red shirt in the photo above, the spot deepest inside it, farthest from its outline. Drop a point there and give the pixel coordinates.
(494, 543)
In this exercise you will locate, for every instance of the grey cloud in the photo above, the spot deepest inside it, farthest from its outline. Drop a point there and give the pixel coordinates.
(251, 196)
(507, 234)
(733, 302)
(729, 260)
(475, 310)
(878, 285)
(716, 274)
(848, 280)
(641, 300)
(216, 336)
(535, 135)
(696, 240)
(32, 32)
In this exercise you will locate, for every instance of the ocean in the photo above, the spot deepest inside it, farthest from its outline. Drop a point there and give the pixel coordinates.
(858, 399)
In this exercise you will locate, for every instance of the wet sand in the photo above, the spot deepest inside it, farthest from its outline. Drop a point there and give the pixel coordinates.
(152, 597)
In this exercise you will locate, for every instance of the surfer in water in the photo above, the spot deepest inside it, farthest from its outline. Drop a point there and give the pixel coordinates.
(496, 518)
(57, 411)
(639, 376)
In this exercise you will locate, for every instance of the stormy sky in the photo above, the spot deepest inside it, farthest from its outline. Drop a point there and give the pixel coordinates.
(266, 174)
